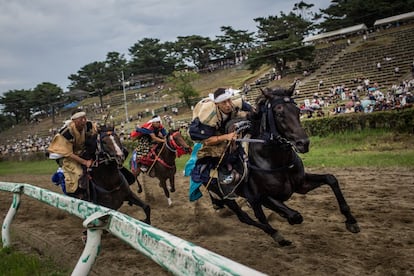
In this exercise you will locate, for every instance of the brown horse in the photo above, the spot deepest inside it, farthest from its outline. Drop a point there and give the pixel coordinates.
(163, 162)
(109, 185)
(275, 170)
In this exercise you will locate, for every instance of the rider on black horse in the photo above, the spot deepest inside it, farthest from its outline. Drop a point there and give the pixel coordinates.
(208, 126)
(68, 147)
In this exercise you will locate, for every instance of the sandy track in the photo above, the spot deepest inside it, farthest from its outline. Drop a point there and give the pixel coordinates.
(381, 200)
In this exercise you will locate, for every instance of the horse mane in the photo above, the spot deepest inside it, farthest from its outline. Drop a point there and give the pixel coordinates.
(91, 144)
(172, 130)
(105, 128)
(91, 141)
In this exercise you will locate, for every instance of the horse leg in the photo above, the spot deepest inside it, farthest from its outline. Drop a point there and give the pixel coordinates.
(171, 185)
(313, 181)
(139, 184)
(245, 218)
(292, 216)
(135, 200)
(163, 185)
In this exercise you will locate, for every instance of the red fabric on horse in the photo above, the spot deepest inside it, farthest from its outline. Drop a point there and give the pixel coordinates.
(147, 160)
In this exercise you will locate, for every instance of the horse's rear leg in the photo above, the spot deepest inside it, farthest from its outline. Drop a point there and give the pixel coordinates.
(139, 190)
(266, 227)
(163, 185)
(292, 216)
(135, 200)
(313, 181)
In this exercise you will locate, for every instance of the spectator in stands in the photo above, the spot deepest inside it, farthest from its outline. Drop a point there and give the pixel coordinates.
(379, 66)
(320, 84)
(315, 104)
(366, 83)
(358, 107)
(339, 109)
(397, 71)
(409, 99)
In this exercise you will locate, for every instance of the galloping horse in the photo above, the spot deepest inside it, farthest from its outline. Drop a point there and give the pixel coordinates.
(109, 179)
(275, 171)
(163, 162)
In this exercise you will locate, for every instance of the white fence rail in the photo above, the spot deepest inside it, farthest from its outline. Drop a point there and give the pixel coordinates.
(172, 253)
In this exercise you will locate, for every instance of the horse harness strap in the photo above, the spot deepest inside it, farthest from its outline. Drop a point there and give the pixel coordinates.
(157, 158)
(99, 151)
(289, 166)
(173, 148)
(268, 119)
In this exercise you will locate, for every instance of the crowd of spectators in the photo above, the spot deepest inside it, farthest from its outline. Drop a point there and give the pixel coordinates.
(31, 144)
(365, 97)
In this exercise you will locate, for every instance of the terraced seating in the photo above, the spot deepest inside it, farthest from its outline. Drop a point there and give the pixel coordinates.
(359, 60)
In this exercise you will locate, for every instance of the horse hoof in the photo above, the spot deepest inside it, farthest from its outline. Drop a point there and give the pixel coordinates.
(295, 219)
(172, 190)
(285, 243)
(280, 239)
(353, 227)
(139, 190)
(169, 202)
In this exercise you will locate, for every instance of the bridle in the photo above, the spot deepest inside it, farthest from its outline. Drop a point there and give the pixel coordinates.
(101, 156)
(271, 135)
(173, 146)
(268, 128)
(170, 143)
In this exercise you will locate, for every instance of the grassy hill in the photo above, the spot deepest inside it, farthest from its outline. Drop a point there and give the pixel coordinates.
(234, 77)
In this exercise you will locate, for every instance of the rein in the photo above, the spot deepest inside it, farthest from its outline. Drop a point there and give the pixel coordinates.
(173, 148)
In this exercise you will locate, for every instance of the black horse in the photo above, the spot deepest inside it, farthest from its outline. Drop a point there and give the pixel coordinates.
(109, 184)
(163, 162)
(275, 171)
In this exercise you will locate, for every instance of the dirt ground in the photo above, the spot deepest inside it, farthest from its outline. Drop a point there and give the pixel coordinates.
(381, 200)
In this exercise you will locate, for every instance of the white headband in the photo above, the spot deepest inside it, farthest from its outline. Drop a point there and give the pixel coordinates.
(228, 93)
(78, 115)
(156, 119)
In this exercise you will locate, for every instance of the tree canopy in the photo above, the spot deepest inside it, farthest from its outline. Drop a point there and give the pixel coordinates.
(277, 41)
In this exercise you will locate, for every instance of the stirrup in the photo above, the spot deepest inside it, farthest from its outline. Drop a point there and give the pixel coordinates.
(227, 180)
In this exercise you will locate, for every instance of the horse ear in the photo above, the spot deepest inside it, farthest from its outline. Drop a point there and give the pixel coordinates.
(291, 89)
(266, 92)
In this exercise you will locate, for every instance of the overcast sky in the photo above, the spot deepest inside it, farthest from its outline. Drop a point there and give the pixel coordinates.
(47, 40)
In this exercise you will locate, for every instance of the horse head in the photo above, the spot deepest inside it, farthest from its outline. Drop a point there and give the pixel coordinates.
(280, 118)
(177, 142)
(109, 145)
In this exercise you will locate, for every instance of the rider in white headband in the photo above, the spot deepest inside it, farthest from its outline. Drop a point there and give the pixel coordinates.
(78, 114)
(221, 95)
(155, 119)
